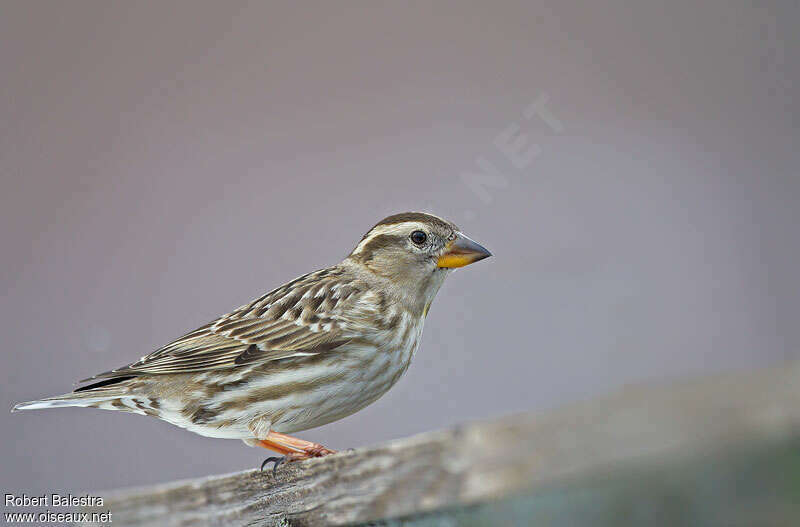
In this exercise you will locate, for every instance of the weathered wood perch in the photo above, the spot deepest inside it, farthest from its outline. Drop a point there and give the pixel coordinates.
(715, 451)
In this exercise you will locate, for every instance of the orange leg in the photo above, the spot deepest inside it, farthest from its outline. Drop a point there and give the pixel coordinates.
(294, 448)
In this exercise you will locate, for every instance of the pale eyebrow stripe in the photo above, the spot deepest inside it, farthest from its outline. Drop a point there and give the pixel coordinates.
(392, 229)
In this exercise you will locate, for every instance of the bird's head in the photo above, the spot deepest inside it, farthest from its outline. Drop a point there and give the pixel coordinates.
(416, 249)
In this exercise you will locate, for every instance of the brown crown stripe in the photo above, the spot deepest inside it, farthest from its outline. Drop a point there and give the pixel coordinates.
(414, 216)
(419, 217)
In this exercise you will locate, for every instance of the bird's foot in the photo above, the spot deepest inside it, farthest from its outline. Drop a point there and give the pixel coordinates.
(292, 456)
(276, 461)
(293, 448)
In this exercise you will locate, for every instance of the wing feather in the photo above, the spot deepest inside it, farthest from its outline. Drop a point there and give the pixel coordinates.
(300, 318)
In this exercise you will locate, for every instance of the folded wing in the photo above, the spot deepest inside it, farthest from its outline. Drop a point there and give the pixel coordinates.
(298, 319)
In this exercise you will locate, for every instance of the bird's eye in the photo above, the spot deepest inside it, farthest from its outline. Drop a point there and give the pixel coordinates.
(418, 237)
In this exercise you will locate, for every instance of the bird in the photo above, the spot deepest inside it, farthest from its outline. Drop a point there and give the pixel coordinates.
(310, 352)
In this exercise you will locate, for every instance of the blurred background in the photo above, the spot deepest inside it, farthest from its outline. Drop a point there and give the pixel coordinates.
(633, 166)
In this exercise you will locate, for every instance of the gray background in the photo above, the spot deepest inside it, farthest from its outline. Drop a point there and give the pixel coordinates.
(163, 163)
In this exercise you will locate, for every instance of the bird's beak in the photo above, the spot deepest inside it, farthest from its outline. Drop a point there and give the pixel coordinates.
(461, 251)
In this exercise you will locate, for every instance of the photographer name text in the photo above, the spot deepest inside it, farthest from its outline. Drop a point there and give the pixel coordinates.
(52, 500)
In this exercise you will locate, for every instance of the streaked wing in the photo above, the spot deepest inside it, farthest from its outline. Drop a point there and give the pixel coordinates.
(296, 319)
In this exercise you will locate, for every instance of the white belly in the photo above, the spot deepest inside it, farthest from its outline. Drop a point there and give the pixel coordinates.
(325, 390)
(370, 375)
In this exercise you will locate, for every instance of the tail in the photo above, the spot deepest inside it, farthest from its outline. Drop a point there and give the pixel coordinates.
(68, 399)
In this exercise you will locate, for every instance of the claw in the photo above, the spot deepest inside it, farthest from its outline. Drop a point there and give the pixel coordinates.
(276, 461)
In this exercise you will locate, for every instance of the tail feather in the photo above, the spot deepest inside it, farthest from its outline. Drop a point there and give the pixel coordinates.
(68, 399)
